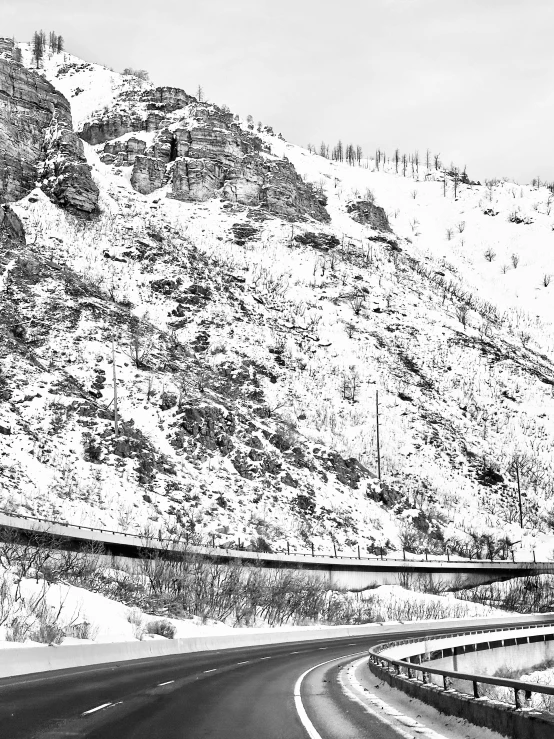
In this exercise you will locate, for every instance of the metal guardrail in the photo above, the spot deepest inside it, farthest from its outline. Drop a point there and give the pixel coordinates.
(522, 690)
(145, 540)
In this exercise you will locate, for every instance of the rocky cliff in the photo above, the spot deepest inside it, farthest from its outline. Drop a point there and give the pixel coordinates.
(37, 141)
(200, 152)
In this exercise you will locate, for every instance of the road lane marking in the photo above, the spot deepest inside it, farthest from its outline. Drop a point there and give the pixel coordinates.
(243, 663)
(322, 648)
(212, 670)
(98, 708)
(294, 652)
(301, 711)
(265, 658)
(167, 683)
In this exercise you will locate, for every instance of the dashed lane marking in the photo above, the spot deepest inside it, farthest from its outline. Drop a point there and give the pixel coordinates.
(212, 670)
(243, 663)
(167, 683)
(98, 708)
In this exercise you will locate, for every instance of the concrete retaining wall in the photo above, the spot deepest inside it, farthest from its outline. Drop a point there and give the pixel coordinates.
(24, 660)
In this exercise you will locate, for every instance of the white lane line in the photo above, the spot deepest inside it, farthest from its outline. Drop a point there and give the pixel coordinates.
(264, 658)
(167, 683)
(98, 708)
(321, 649)
(212, 670)
(294, 652)
(302, 715)
(243, 663)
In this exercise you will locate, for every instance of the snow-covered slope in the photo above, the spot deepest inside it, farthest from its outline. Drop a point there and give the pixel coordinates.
(247, 367)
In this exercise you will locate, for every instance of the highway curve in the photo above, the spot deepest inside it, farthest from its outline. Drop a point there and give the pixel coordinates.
(245, 693)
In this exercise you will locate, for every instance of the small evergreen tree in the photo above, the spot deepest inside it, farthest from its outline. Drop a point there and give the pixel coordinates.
(61, 45)
(38, 46)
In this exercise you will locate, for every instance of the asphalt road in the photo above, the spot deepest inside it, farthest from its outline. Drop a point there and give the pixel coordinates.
(244, 693)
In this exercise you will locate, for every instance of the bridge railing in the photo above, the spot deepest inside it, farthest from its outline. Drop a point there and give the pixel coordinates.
(522, 691)
(151, 540)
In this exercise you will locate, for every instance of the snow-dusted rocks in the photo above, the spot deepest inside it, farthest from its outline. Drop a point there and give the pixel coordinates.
(200, 151)
(369, 214)
(37, 141)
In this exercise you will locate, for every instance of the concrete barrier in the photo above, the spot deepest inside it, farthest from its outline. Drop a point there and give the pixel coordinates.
(24, 660)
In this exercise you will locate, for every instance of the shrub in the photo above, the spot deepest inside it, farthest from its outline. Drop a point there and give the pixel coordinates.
(140, 74)
(161, 627)
(134, 617)
(47, 633)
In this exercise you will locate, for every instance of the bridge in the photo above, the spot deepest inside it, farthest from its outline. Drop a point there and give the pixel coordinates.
(338, 571)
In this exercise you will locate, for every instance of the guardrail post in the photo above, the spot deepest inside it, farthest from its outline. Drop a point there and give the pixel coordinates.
(312, 549)
(476, 689)
(447, 682)
(335, 549)
(404, 554)
(288, 548)
(359, 557)
(534, 557)
(522, 698)
(213, 541)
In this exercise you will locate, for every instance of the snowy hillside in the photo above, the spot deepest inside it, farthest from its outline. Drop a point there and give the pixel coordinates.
(250, 337)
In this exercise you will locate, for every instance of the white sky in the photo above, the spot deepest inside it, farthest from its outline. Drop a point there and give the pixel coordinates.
(470, 79)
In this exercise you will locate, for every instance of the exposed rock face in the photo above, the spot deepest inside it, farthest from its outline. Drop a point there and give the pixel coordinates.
(148, 112)
(7, 48)
(10, 223)
(123, 153)
(201, 152)
(65, 172)
(37, 140)
(148, 174)
(366, 212)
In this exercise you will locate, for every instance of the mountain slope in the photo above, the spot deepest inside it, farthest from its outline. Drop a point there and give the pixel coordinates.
(253, 319)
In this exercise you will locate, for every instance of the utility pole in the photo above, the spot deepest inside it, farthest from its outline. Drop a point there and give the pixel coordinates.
(378, 444)
(519, 496)
(115, 418)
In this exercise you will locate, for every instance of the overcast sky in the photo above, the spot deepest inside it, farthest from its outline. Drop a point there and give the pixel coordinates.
(470, 79)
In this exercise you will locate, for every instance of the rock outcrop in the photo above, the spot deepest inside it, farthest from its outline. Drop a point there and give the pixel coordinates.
(37, 142)
(201, 152)
(64, 171)
(366, 212)
(10, 224)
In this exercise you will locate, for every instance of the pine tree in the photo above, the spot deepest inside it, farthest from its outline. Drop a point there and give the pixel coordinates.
(61, 44)
(38, 46)
(53, 41)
